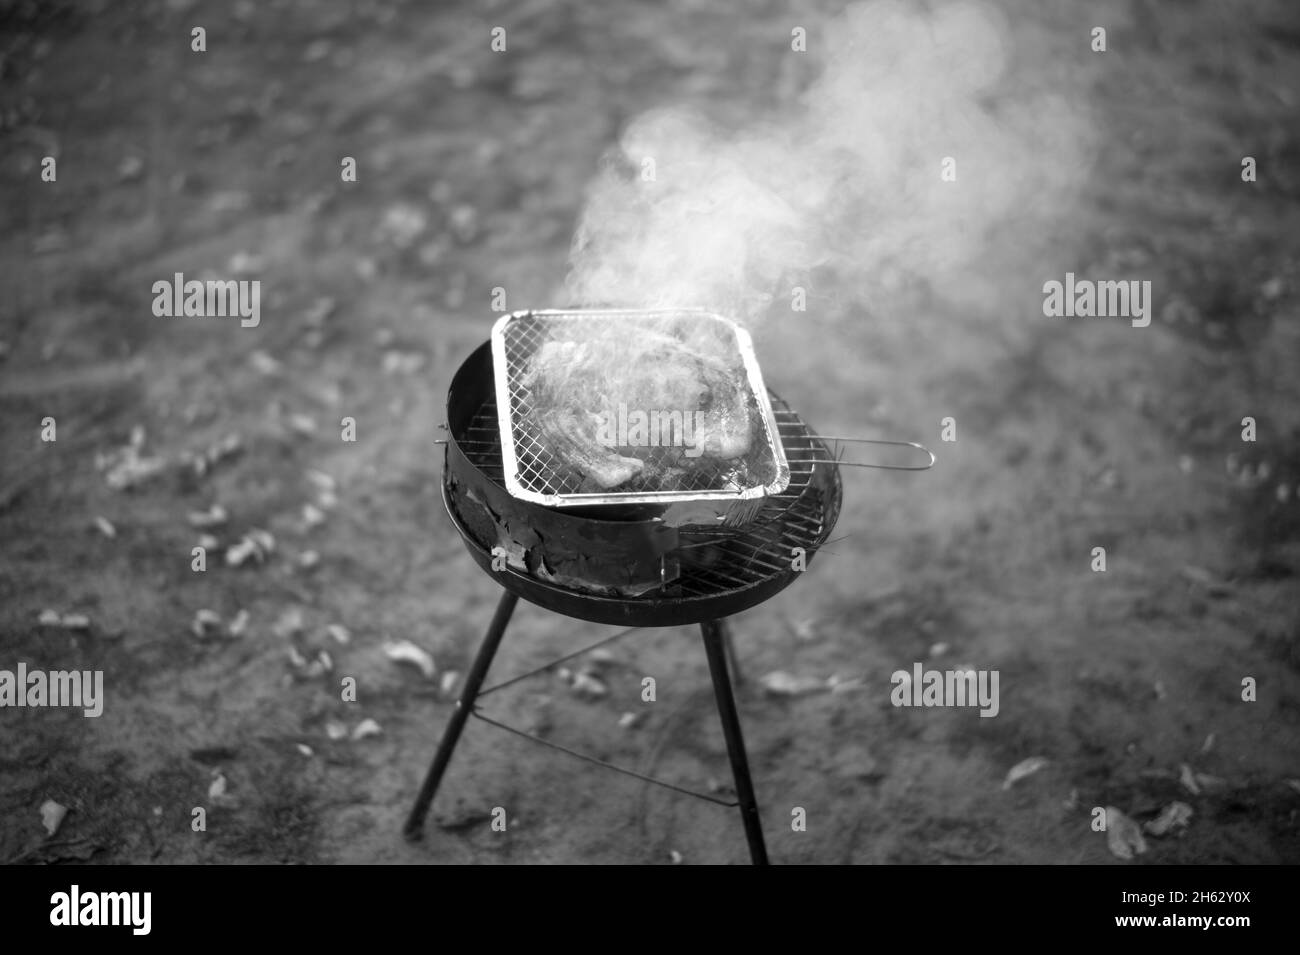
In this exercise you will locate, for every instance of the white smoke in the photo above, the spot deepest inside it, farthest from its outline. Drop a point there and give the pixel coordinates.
(847, 179)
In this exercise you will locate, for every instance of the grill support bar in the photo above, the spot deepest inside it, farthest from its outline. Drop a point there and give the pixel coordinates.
(717, 647)
(451, 735)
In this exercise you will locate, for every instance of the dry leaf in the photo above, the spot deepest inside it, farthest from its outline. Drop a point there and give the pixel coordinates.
(239, 554)
(238, 624)
(264, 362)
(585, 683)
(50, 618)
(780, 683)
(338, 632)
(335, 730)
(214, 516)
(204, 621)
(404, 651)
(1123, 837)
(75, 621)
(321, 480)
(1026, 767)
(52, 814)
(217, 789)
(1174, 816)
(1188, 779)
(304, 749)
(288, 624)
(366, 727)
(105, 527)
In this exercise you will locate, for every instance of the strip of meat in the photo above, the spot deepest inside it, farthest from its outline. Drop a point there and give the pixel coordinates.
(571, 437)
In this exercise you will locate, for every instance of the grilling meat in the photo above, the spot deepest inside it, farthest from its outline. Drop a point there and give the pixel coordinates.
(570, 435)
(575, 387)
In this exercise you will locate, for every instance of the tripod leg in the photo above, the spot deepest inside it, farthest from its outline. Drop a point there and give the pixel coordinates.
(714, 648)
(473, 683)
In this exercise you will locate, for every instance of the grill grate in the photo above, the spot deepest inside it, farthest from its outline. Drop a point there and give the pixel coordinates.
(716, 560)
(534, 471)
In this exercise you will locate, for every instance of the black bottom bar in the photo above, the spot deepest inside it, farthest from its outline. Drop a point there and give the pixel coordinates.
(715, 648)
(414, 828)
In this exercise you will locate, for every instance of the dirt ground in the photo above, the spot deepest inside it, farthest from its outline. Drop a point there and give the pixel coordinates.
(1071, 435)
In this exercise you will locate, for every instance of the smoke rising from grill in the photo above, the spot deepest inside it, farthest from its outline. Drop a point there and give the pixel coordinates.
(847, 177)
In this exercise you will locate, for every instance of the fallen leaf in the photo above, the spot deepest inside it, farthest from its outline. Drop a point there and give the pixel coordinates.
(321, 480)
(366, 727)
(675, 857)
(52, 814)
(1026, 767)
(1123, 837)
(264, 362)
(780, 683)
(239, 554)
(1188, 779)
(105, 527)
(263, 540)
(629, 720)
(404, 651)
(335, 730)
(301, 423)
(338, 632)
(1208, 783)
(449, 680)
(806, 629)
(312, 516)
(75, 621)
(288, 624)
(49, 618)
(238, 624)
(214, 516)
(585, 683)
(304, 749)
(204, 621)
(1174, 816)
(839, 683)
(217, 789)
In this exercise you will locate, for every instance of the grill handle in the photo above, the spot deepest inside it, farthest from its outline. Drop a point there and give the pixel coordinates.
(838, 454)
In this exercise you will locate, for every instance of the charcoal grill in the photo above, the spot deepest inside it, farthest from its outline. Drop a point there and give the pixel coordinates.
(623, 564)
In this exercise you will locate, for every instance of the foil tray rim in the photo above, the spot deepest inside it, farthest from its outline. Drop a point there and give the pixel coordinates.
(753, 374)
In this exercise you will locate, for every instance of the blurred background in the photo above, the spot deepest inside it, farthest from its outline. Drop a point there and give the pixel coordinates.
(475, 169)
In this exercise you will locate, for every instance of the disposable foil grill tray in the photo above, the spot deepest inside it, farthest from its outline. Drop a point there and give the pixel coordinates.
(535, 472)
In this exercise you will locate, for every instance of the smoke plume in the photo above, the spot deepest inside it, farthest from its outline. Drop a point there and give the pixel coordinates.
(849, 177)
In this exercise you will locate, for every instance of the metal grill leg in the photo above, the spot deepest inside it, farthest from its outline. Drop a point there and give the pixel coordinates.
(715, 649)
(451, 735)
